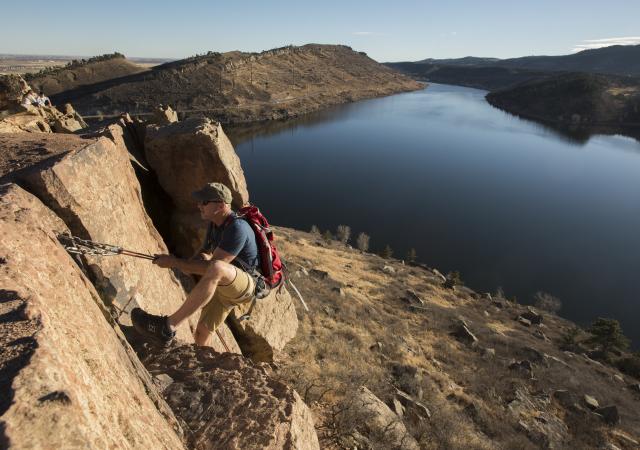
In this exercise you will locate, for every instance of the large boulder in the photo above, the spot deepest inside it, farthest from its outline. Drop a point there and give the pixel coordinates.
(188, 154)
(538, 420)
(228, 402)
(12, 89)
(69, 380)
(95, 191)
(272, 324)
(68, 122)
(164, 115)
(382, 425)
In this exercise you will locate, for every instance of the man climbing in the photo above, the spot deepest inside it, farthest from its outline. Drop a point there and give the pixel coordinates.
(226, 262)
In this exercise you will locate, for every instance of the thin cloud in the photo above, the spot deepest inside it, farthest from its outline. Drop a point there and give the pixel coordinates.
(599, 43)
(363, 33)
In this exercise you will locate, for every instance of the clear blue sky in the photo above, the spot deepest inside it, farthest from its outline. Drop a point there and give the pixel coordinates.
(391, 30)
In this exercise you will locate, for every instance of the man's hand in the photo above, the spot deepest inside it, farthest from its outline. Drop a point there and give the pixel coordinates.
(202, 256)
(165, 261)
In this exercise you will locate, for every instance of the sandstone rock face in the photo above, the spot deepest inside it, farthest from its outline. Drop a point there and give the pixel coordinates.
(68, 381)
(188, 231)
(385, 426)
(227, 402)
(96, 193)
(188, 154)
(273, 323)
(124, 134)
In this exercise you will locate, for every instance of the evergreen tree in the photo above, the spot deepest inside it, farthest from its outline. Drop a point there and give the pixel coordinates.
(607, 333)
(387, 252)
(412, 255)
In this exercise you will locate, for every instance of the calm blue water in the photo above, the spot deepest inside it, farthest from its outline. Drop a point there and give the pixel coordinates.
(503, 200)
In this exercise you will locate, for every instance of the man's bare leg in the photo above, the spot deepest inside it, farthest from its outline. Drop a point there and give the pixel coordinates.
(218, 272)
(202, 334)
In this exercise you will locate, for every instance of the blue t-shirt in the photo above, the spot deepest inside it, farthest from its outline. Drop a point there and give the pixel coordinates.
(237, 238)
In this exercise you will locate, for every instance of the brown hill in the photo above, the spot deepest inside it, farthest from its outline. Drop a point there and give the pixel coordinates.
(81, 73)
(576, 99)
(244, 87)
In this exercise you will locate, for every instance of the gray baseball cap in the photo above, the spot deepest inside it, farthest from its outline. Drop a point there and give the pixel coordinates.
(212, 192)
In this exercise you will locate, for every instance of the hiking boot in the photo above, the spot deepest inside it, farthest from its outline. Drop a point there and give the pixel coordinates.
(152, 326)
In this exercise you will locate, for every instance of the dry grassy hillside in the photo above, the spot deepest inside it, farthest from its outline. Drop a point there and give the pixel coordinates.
(515, 388)
(244, 87)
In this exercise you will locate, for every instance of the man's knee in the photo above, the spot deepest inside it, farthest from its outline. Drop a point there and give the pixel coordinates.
(215, 269)
(220, 271)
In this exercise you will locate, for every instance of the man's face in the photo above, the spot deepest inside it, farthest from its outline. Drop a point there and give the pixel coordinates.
(211, 209)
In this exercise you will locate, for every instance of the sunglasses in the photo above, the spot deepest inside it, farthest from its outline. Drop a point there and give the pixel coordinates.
(209, 201)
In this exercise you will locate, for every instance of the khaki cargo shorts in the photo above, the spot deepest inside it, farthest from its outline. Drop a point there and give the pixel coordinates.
(238, 294)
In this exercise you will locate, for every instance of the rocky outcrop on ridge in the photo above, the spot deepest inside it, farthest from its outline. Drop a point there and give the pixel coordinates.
(68, 379)
(15, 118)
(226, 401)
(78, 74)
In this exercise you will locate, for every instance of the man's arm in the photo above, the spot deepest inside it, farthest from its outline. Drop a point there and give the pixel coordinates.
(192, 266)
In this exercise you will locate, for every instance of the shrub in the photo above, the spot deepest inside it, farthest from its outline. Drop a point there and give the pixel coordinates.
(547, 302)
(455, 277)
(327, 236)
(387, 252)
(363, 242)
(607, 334)
(412, 255)
(569, 340)
(344, 233)
(315, 230)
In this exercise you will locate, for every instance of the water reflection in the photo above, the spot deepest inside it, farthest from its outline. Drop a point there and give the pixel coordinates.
(571, 134)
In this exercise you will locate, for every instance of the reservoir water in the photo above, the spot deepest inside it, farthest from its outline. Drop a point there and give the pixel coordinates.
(506, 202)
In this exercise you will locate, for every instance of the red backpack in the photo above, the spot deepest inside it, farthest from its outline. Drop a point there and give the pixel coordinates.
(271, 265)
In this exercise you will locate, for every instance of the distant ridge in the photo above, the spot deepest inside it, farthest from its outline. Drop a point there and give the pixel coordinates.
(616, 60)
(241, 87)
